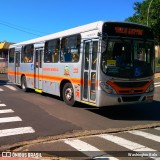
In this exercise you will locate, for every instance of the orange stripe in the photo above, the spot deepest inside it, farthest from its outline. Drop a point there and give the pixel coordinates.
(53, 78)
(96, 83)
(11, 73)
(47, 77)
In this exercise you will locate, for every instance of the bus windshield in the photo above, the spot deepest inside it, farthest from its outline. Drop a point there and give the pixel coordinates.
(128, 58)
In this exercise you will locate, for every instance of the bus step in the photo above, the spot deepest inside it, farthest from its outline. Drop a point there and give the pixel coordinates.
(38, 90)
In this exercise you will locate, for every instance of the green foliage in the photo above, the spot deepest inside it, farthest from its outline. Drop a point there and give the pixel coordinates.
(157, 62)
(148, 12)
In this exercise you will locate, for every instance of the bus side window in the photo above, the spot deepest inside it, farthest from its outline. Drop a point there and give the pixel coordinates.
(75, 57)
(67, 56)
(27, 54)
(47, 56)
(11, 55)
(70, 48)
(55, 56)
(94, 54)
(51, 54)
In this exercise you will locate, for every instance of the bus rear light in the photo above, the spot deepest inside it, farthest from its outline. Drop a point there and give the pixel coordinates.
(106, 87)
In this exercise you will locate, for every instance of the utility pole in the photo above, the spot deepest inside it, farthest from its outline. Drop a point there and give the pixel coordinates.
(148, 11)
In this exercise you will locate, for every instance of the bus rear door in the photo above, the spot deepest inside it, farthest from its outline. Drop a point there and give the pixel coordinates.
(38, 68)
(90, 61)
(17, 67)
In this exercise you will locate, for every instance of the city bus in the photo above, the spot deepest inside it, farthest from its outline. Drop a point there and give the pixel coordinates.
(101, 64)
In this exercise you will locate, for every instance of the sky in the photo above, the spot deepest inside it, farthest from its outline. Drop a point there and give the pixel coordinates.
(22, 20)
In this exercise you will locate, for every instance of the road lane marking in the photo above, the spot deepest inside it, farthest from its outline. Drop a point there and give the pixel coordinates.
(2, 105)
(10, 119)
(1, 89)
(11, 87)
(146, 135)
(6, 111)
(158, 128)
(127, 144)
(16, 131)
(157, 83)
(87, 149)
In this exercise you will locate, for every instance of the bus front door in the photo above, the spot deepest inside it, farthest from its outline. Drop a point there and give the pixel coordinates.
(17, 66)
(90, 61)
(38, 69)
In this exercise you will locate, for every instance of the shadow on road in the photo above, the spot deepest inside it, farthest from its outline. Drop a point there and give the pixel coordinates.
(132, 112)
(142, 112)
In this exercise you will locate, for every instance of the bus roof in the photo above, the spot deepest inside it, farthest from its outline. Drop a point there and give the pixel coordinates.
(80, 29)
(76, 30)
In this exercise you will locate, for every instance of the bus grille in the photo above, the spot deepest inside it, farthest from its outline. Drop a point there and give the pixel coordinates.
(135, 91)
(131, 84)
(130, 99)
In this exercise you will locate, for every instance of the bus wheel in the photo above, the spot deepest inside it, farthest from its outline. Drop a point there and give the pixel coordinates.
(68, 94)
(24, 84)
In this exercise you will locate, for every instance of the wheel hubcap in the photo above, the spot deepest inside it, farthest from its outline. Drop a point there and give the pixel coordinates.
(69, 94)
(23, 86)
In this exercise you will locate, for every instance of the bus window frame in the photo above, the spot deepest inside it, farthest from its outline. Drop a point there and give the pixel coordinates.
(54, 49)
(29, 59)
(74, 51)
(10, 56)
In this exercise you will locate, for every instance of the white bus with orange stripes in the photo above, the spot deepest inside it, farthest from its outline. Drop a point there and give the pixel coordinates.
(101, 64)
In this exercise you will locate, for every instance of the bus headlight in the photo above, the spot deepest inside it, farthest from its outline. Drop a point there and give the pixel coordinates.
(106, 87)
(150, 88)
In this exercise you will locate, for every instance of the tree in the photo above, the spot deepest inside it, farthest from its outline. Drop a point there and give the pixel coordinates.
(148, 13)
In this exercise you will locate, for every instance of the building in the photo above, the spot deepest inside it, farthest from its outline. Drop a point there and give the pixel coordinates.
(4, 46)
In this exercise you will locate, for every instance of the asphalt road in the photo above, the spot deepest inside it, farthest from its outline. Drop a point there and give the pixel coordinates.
(46, 116)
(142, 144)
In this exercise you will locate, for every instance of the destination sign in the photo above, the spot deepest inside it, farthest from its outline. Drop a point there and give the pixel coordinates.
(130, 30)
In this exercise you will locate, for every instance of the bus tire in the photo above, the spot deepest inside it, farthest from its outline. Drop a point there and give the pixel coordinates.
(68, 94)
(24, 84)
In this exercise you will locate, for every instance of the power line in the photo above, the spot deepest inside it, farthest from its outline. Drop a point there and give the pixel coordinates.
(11, 24)
(19, 29)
